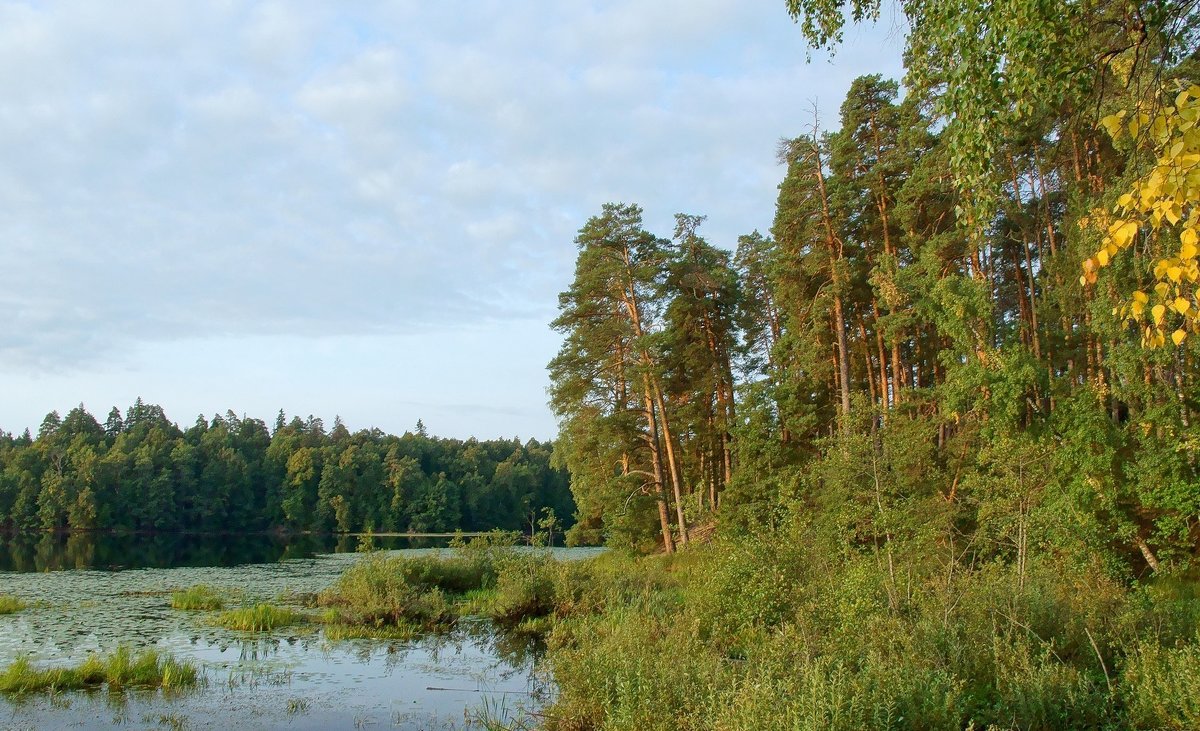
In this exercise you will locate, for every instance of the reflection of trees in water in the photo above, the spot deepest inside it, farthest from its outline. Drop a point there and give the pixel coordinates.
(81, 551)
(113, 551)
(521, 650)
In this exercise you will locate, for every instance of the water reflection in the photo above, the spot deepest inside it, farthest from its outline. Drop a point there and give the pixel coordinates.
(79, 604)
(26, 553)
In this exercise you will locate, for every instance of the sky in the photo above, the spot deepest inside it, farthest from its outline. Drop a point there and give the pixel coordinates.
(364, 209)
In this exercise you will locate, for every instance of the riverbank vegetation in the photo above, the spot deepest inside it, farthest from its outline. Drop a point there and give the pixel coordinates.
(141, 472)
(782, 630)
(943, 414)
(115, 672)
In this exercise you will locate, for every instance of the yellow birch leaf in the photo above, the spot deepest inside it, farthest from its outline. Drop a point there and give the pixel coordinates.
(1187, 251)
(1102, 257)
(1140, 296)
(1158, 312)
(1161, 289)
(1123, 233)
(1175, 273)
(1181, 305)
(1178, 336)
(1137, 308)
(1112, 124)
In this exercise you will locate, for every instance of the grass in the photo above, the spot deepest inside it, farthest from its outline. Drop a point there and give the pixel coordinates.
(763, 633)
(10, 604)
(389, 596)
(258, 618)
(339, 631)
(120, 670)
(200, 597)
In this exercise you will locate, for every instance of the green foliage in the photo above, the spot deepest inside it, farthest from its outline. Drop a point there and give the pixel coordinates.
(525, 589)
(1162, 686)
(785, 630)
(120, 670)
(10, 604)
(231, 474)
(396, 592)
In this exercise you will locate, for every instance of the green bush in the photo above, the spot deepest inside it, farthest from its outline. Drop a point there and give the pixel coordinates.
(395, 591)
(524, 589)
(1161, 686)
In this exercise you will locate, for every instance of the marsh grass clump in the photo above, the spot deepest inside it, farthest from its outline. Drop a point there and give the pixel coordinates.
(388, 596)
(380, 591)
(120, 670)
(200, 597)
(10, 604)
(338, 631)
(260, 617)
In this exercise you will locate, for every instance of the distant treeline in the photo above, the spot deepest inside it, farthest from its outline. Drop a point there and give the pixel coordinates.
(142, 472)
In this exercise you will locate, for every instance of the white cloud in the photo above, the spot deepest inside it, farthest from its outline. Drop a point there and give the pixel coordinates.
(178, 171)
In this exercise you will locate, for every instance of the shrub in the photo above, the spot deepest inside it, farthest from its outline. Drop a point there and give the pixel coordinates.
(1161, 686)
(392, 591)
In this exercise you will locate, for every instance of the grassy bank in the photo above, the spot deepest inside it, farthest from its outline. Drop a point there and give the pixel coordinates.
(120, 670)
(758, 633)
(781, 630)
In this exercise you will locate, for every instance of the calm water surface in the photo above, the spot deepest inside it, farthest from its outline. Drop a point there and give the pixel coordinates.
(87, 596)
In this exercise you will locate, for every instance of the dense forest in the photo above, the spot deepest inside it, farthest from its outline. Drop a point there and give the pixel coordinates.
(884, 353)
(924, 454)
(139, 471)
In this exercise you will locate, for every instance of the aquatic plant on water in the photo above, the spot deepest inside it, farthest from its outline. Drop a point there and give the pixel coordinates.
(200, 597)
(117, 671)
(258, 618)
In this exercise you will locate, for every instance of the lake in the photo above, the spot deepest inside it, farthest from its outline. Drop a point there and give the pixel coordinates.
(93, 592)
